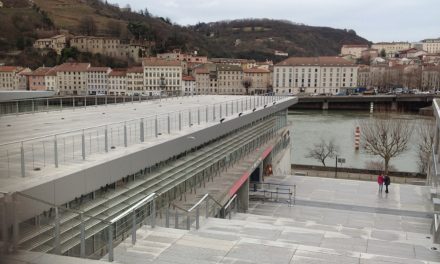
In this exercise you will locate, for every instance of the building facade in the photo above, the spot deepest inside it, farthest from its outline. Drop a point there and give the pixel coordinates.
(56, 43)
(97, 80)
(117, 82)
(431, 45)
(354, 50)
(72, 78)
(188, 85)
(162, 75)
(314, 75)
(229, 79)
(256, 81)
(13, 78)
(391, 48)
(135, 81)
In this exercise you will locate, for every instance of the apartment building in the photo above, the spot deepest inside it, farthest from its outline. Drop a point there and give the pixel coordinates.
(56, 43)
(117, 82)
(162, 75)
(229, 79)
(364, 76)
(431, 45)
(135, 81)
(256, 80)
(243, 63)
(314, 75)
(111, 47)
(178, 56)
(13, 78)
(206, 83)
(97, 80)
(188, 85)
(391, 48)
(37, 79)
(354, 50)
(72, 78)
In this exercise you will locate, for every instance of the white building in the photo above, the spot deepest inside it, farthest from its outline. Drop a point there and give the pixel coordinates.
(162, 76)
(314, 75)
(391, 48)
(431, 45)
(57, 43)
(117, 82)
(188, 85)
(72, 78)
(97, 80)
(13, 78)
(135, 81)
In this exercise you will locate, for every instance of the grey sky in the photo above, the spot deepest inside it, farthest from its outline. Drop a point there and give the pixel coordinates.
(375, 20)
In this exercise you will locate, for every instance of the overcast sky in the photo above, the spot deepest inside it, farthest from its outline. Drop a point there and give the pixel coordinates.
(375, 20)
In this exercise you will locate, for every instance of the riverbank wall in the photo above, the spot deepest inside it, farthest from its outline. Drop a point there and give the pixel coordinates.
(357, 174)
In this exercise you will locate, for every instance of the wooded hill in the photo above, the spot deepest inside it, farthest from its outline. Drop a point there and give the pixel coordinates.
(22, 21)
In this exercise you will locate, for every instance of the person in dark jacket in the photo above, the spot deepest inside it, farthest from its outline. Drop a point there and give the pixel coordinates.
(386, 181)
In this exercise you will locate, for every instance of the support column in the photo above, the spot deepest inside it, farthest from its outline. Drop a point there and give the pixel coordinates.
(325, 105)
(393, 106)
(261, 170)
(243, 196)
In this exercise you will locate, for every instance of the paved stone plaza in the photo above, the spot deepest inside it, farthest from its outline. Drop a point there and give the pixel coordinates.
(334, 221)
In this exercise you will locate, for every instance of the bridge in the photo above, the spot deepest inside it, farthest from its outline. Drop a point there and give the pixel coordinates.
(404, 102)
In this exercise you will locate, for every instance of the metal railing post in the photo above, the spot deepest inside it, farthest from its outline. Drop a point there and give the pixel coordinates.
(82, 250)
(15, 224)
(213, 112)
(55, 151)
(73, 103)
(189, 118)
(176, 219)
(16, 108)
(133, 228)
(106, 139)
(125, 134)
(33, 106)
(198, 116)
(141, 130)
(226, 106)
(110, 243)
(221, 110)
(5, 238)
(57, 249)
(206, 115)
(207, 208)
(188, 221)
(83, 145)
(47, 104)
(169, 124)
(156, 129)
(197, 218)
(180, 121)
(153, 213)
(167, 217)
(23, 168)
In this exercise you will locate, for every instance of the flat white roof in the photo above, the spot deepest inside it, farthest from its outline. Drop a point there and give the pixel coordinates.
(44, 146)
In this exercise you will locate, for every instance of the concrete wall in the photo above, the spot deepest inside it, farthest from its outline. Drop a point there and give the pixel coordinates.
(87, 180)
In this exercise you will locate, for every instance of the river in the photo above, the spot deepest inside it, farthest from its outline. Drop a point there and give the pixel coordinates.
(309, 126)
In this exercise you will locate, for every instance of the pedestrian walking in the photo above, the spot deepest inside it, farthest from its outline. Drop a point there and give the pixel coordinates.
(380, 180)
(386, 181)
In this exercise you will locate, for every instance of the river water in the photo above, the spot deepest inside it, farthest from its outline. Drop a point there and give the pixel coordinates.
(309, 126)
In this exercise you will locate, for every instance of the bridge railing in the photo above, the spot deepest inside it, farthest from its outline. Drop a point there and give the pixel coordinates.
(29, 156)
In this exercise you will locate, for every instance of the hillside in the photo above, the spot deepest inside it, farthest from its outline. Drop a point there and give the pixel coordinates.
(21, 22)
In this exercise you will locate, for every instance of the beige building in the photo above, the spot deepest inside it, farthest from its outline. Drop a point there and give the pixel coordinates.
(229, 79)
(111, 47)
(13, 78)
(243, 63)
(72, 78)
(258, 80)
(314, 75)
(431, 45)
(135, 81)
(117, 82)
(188, 85)
(206, 80)
(391, 48)
(97, 80)
(162, 76)
(364, 76)
(57, 43)
(178, 56)
(354, 50)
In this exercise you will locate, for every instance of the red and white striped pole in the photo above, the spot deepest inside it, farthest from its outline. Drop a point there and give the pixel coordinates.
(357, 138)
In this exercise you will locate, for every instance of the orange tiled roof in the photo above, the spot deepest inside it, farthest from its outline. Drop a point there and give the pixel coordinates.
(98, 69)
(118, 73)
(188, 78)
(256, 70)
(9, 68)
(160, 62)
(73, 67)
(135, 70)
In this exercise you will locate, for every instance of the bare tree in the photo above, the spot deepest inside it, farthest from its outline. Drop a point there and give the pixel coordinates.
(323, 150)
(247, 83)
(87, 26)
(386, 138)
(378, 165)
(425, 132)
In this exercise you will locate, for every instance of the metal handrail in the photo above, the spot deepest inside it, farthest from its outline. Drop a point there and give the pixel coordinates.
(114, 123)
(134, 207)
(234, 198)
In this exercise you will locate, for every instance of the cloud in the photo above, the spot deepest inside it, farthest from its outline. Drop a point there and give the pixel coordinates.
(376, 20)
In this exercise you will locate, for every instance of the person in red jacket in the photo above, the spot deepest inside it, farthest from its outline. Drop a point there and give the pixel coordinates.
(380, 180)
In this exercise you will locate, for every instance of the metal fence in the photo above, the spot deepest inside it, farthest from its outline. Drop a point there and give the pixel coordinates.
(21, 158)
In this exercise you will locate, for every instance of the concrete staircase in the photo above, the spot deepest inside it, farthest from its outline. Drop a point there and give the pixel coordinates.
(249, 238)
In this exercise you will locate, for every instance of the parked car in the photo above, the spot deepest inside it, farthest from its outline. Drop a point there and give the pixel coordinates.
(398, 91)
